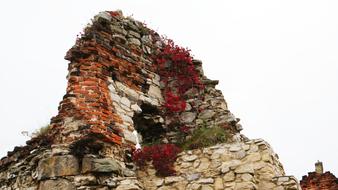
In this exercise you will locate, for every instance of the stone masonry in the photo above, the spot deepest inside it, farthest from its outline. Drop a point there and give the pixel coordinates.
(319, 179)
(113, 103)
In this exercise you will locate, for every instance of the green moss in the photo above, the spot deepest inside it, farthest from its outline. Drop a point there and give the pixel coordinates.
(204, 137)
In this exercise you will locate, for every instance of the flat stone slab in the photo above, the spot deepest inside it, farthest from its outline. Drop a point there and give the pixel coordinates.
(58, 166)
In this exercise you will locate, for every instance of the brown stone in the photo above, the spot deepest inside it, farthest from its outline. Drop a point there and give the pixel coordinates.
(58, 166)
(56, 185)
(218, 185)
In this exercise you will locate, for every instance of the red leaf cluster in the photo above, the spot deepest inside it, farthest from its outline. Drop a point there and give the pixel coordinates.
(162, 156)
(178, 74)
(114, 13)
(174, 103)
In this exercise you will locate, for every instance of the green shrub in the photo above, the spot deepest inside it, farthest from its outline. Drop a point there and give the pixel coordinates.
(204, 137)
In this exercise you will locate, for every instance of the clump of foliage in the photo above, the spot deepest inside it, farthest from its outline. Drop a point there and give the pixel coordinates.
(41, 132)
(178, 74)
(204, 137)
(162, 157)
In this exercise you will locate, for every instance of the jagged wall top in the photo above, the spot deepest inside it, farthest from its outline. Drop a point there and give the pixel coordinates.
(112, 67)
(115, 87)
(112, 79)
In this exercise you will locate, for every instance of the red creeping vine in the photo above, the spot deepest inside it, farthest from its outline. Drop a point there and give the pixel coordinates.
(162, 156)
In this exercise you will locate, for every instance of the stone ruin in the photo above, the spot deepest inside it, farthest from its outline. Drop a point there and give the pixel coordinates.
(114, 104)
(319, 179)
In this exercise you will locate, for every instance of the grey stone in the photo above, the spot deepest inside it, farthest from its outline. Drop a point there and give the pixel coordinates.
(129, 136)
(118, 29)
(172, 179)
(60, 149)
(136, 108)
(132, 94)
(224, 168)
(246, 177)
(188, 107)
(205, 163)
(189, 158)
(206, 114)
(253, 157)
(128, 173)
(100, 165)
(146, 39)
(155, 92)
(194, 186)
(205, 180)
(128, 187)
(230, 176)
(58, 166)
(235, 148)
(232, 164)
(115, 97)
(135, 34)
(85, 180)
(56, 185)
(119, 38)
(159, 182)
(193, 177)
(188, 117)
(103, 15)
(134, 41)
(239, 154)
(245, 168)
(127, 119)
(125, 101)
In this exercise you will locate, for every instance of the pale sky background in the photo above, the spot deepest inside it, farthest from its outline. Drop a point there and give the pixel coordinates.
(277, 62)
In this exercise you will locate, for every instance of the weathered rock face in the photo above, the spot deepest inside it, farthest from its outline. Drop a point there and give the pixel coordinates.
(114, 89)
(243, 165)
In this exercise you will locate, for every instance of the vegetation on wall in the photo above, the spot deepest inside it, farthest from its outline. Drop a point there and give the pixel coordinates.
(162, 157)
(205, 136)
(178, 75)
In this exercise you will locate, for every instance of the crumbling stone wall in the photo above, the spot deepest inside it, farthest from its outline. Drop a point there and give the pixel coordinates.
(244, 165)
(114, 88)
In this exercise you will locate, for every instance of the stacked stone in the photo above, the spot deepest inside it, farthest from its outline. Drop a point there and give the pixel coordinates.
(207, 108)
(286, 182)
(114, 89)
(239, 166)
(323, 181)
(110, 75)
(57, 168)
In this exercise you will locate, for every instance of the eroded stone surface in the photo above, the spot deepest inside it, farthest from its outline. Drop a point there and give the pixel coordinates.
(58, 166)
(218, 167)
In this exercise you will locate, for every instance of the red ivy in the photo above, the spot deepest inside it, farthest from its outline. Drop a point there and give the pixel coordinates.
(174, 103)
(162, 156)
(176, 67)
(114, 13)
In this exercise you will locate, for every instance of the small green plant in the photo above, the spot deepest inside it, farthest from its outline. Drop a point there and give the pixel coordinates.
(204, 137)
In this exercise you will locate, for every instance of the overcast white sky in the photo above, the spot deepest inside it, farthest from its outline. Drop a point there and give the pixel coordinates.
(277, 62)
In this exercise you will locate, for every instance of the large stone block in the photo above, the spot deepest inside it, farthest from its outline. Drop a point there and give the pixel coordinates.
(58, 166)
(100, 165)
